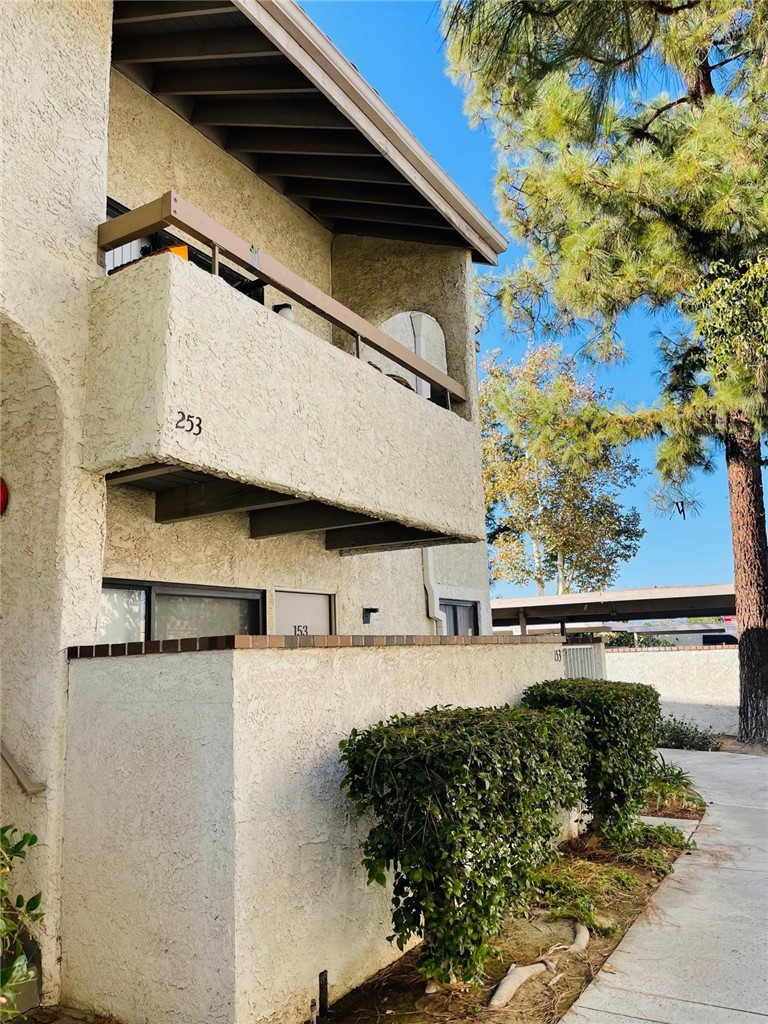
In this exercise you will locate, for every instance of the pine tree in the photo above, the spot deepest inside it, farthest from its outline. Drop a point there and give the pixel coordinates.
(627, 195)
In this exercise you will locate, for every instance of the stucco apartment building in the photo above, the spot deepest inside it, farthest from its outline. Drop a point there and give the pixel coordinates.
(240, 442)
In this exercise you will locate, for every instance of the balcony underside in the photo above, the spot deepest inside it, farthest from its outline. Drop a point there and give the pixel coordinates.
(182, 494)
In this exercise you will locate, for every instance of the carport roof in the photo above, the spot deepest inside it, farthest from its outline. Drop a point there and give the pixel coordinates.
(621, 605)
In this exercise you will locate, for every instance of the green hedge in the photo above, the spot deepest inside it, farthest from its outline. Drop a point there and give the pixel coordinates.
(622, 722)
(465, 804)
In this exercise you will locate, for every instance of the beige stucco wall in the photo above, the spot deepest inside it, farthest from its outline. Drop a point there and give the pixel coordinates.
(152, 150)
(67, 143)
(52, 178)
(212, 865)
(280, 408)
(217, 551)
(698, 685)
(147, 922)
(432, 279)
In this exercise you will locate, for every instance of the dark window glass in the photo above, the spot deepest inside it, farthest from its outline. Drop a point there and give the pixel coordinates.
(133, 611)
(460, 618)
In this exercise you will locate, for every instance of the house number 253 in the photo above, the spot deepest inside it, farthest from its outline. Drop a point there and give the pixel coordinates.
(192, 424)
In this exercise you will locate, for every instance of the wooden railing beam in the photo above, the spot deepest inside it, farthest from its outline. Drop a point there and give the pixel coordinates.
(172, 210)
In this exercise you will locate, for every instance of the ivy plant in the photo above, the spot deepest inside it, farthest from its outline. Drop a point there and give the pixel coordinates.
(16, 916)
(622, 724)
(465, 803)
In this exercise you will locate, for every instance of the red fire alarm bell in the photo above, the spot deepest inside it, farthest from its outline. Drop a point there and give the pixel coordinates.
(3, 497)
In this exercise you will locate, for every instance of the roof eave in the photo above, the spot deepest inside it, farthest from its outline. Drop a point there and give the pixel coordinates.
(289, 28)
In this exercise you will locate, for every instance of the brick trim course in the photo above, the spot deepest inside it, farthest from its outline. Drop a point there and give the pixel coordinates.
(229, 643)
(668, 650)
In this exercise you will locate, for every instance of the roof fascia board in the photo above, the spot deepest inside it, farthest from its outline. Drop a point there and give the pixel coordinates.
(296, 35)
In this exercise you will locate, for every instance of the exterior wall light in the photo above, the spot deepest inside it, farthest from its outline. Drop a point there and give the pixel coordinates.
(285, 310)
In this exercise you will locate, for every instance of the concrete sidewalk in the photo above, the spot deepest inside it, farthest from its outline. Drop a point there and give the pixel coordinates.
(702, 957)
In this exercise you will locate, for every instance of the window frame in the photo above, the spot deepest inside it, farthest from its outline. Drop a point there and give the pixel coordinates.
(257, 599)
(449, 604)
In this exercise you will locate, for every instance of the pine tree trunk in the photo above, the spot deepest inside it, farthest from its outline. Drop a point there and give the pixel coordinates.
(750, 562)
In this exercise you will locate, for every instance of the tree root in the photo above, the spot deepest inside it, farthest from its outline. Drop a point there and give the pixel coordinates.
(511, 982)
(517, 976)
(581, 938)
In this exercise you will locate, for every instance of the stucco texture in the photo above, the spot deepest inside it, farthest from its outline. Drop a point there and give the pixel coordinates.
(212, 865)
(153, 150)
(280, 408)
(52, 178)
(432, 279)
(73, 132)
(700, 686)
(217, 551)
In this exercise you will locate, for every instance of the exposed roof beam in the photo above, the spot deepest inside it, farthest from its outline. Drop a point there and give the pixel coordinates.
(212, 497)
(304, 141)
(210, 45)
(130, 12)
(383, 537)
(404, 233)
(338, 208)
(240, 81)
(374, 169)
(306, 45)
(389, 195)
(309, 517)
(305, 113)
(140, 473)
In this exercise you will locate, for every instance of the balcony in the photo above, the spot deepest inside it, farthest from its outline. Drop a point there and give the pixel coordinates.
(219, 404)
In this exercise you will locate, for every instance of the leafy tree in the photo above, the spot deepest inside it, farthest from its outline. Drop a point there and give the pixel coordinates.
(633, 142)
(546, 521)
(626, 638)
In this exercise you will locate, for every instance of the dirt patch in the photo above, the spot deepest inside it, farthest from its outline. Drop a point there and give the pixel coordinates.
(674, 807)
(730, 745)
(398, 992)
(60, 1015)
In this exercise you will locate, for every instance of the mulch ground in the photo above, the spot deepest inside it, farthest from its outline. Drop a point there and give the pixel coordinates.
(730, 745)
(398, 992)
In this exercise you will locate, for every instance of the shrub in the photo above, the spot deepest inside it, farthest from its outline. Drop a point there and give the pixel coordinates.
(16, 915)
(682, 735)
(622, 726)
(466, 806)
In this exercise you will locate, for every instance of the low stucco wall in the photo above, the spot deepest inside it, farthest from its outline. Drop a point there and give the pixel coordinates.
(697, 684)
(212, 865)
(279, 407)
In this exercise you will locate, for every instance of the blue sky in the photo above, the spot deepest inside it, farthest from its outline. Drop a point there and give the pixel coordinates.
(396, 45)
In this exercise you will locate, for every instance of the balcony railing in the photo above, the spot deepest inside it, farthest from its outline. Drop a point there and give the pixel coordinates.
(171, 210)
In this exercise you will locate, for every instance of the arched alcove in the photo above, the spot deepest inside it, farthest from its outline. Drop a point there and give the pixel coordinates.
(418, 332)
(32, 662)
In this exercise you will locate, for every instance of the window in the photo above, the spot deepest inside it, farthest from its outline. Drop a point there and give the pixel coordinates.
(132, 611)
(460, 618)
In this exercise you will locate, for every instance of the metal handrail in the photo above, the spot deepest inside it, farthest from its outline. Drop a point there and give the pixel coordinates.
(29, 785)
(172, 210)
